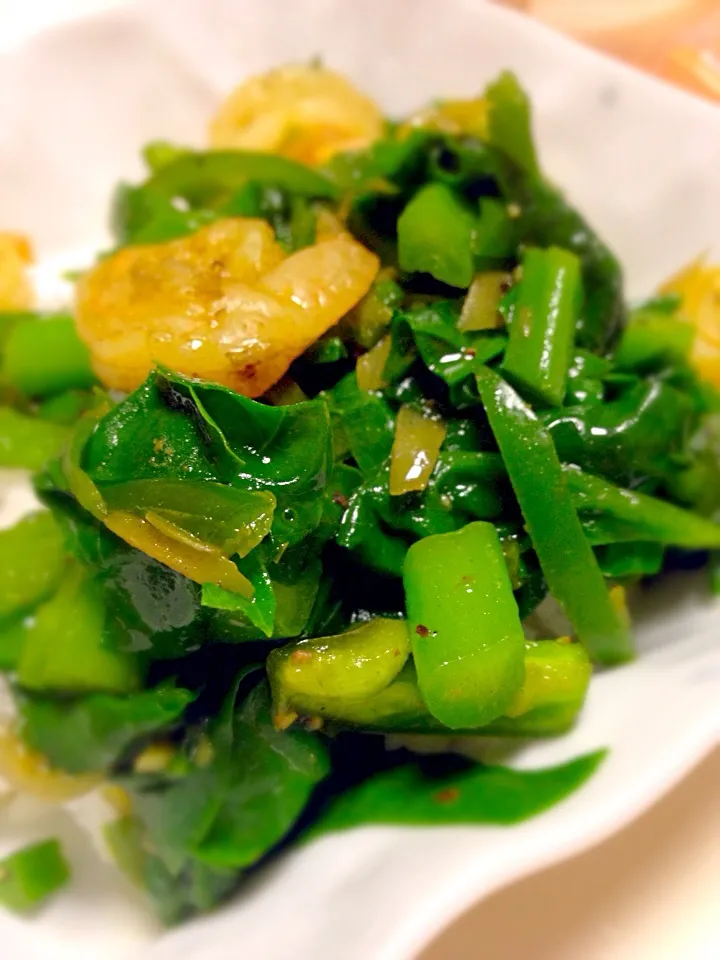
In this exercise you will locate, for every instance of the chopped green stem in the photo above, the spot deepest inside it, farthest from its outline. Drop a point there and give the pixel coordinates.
(46, 356)
(565, 555)
(547, 302)
(32, 560)
(31, 875)
(28, 442)
(611, 514)
(466, 635)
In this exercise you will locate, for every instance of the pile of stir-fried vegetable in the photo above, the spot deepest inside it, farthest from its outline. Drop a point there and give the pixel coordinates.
(366, 411)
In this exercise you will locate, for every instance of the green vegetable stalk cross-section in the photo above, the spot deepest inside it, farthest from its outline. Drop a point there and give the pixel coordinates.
(466, 636)
(546, 312)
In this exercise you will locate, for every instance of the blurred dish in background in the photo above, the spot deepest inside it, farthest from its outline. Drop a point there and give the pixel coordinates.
(678, 40)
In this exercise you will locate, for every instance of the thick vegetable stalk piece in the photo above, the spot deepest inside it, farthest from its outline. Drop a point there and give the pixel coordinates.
(546, 218)
(467, 639)
(311, 676)
(565, 555)
(31, 875)
(44, 355)
(435, 236)
(363, 697)
(64, 650)
(556, 672)
(28, 442)
(548, 299)
(32, 559)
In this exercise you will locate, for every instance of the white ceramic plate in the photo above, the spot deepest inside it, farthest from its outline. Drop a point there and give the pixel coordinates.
(640, 158)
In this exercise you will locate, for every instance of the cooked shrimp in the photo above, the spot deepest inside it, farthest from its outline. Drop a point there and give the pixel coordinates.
(16, 291)
(304, 112)
(224, 304)
(699, 287)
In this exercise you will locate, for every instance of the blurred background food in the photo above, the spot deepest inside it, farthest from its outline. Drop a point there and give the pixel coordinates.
(678, 40)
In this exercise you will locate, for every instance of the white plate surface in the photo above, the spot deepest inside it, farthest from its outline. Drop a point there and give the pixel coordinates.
(639, 158)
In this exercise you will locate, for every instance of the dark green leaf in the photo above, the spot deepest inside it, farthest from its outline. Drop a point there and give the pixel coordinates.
(638, 434)
(176, 428)
(274, 773)
(192, 888)
(260, 609)
(31, 875)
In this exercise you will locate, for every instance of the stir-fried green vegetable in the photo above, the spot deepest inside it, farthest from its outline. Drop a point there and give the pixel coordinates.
(30, 876)
(467, 639)
(546, 309)
(229, 600)
(564, 552)
(416, 794)
(45, 356)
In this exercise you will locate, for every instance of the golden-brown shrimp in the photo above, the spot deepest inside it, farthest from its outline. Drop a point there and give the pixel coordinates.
(16, 291)
(699, 287)
(224, 304)
(307, 113)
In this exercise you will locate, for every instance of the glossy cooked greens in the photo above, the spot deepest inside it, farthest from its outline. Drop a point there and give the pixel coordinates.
(229, 599)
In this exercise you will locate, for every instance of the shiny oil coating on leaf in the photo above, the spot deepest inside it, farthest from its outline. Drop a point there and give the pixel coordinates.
(173, 428)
